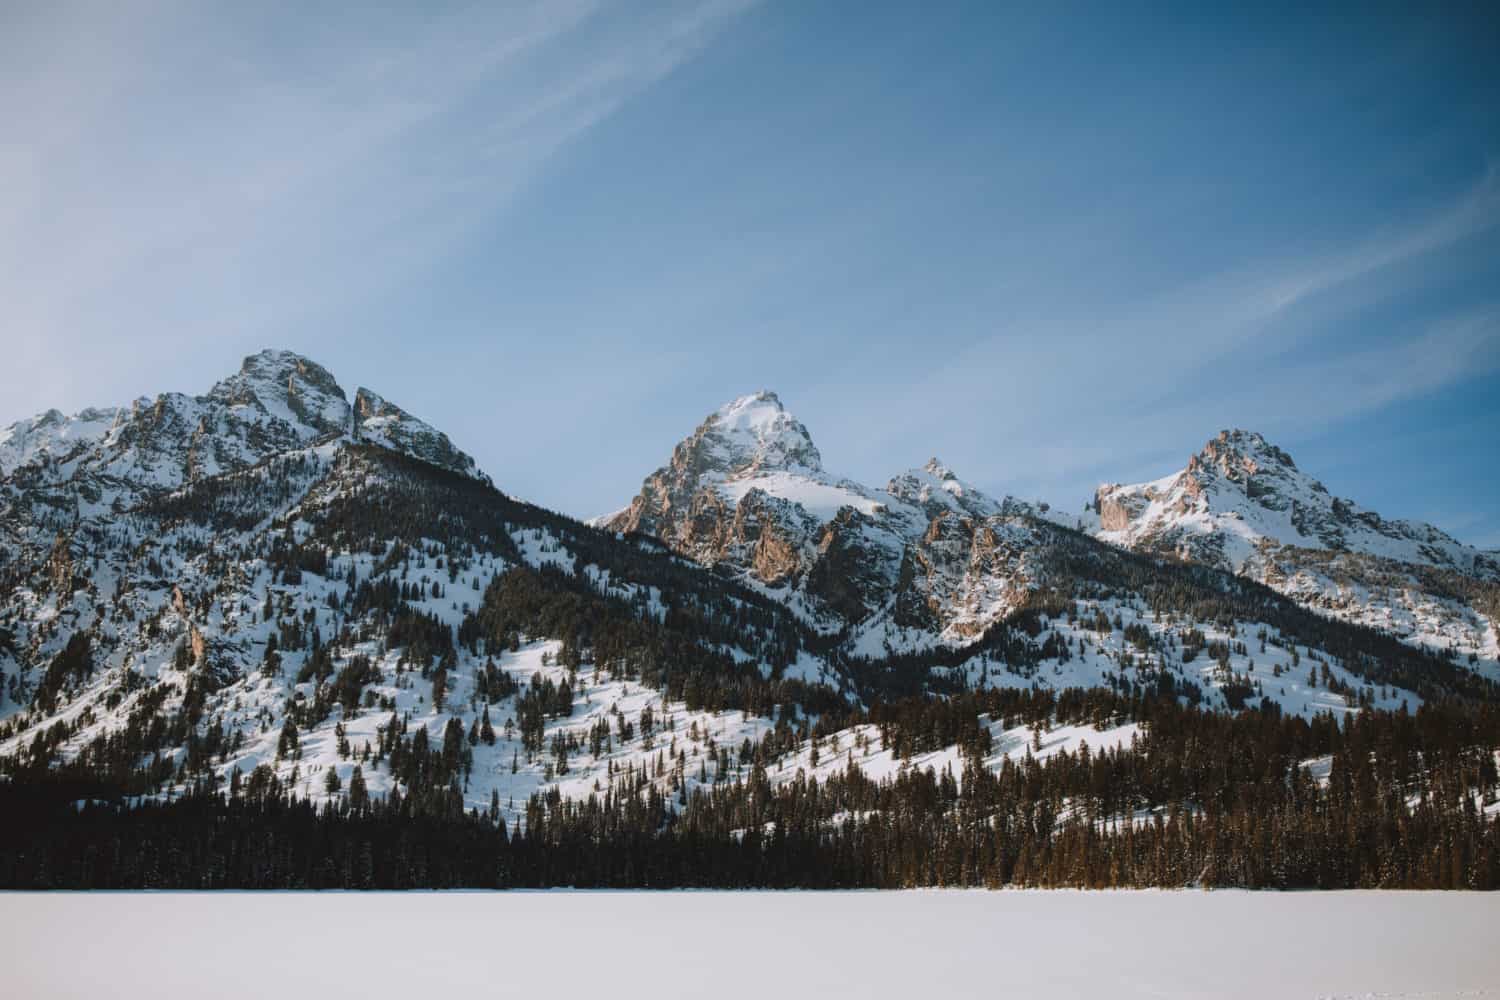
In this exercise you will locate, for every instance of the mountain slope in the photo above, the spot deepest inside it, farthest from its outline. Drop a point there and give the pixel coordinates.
(1242, 504)
(1242, 493)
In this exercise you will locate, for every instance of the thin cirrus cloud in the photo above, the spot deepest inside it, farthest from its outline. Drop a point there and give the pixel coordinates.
(1476, 211)
(1308, 393)
(310, 167)
(1148, 380)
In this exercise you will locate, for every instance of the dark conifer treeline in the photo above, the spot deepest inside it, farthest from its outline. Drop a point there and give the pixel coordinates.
(1217, 801)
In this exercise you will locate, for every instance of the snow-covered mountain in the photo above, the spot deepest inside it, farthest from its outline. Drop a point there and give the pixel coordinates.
(271, 584)
(930, 561)
(1243, 505)
(928, 558)
(267, 581)
(1241, 493)
(276, 402)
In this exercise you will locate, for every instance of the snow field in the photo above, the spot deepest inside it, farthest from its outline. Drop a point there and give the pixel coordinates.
(1058, 945)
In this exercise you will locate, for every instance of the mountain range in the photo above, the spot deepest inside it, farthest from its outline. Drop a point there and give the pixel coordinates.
(272, 582)
(930, 559)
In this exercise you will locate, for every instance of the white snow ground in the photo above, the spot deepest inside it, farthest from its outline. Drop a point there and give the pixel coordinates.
(937, 944)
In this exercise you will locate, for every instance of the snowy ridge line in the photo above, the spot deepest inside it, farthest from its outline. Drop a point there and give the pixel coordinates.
(1243, 505)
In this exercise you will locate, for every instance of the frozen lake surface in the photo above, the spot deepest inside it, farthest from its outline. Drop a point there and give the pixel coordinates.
(914, 945)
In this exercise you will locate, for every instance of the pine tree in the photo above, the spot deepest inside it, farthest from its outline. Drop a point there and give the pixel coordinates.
(289, 744)
(359, 795)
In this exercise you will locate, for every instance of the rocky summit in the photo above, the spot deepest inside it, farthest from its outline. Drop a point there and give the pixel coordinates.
(1242, 504)
(927, 559)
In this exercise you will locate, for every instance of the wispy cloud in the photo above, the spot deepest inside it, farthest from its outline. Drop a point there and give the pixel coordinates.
(1284, 399)
(1474, 212)
(1062, 397)
(171, 175)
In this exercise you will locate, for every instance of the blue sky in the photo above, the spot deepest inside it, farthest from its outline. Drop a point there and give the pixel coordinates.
(1051, 247)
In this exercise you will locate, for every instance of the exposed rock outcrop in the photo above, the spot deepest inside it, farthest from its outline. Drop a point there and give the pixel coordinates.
(747, 490)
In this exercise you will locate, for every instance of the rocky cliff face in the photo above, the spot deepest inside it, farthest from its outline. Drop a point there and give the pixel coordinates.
(739, 442)
(747, 491)
(730, 493)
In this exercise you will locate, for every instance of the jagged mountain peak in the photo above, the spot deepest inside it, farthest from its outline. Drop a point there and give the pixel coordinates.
(1240, 465)
(289, 388)
(275, 363)
(277, 401)
(748, 443)
(278, 374)
(747, 492)
(935, 467)
(1239, 454)
(754, 433)
(370, 404)
(761, 399)
(934, 488)
(1243, 505)
(1241, 493)
(53, 436)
